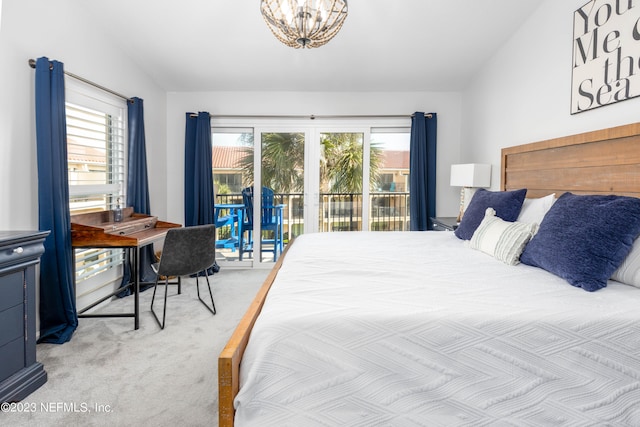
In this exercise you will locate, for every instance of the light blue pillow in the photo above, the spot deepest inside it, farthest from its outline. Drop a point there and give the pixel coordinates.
(584, 239)
(507, 205)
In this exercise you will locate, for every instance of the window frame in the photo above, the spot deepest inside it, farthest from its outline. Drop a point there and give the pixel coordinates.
(84, 96)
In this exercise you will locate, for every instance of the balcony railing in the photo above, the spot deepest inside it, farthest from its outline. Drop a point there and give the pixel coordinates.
(388, 211)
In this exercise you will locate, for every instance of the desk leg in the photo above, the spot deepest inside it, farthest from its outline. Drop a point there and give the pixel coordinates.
(132, 255)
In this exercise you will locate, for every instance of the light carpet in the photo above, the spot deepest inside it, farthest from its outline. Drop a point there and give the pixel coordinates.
(112, 375)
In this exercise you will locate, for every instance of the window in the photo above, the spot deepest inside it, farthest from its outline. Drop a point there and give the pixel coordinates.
(385, 181)
(96, 164)
(228, 182)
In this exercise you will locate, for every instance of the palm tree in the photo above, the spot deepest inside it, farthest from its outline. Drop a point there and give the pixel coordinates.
(282, 162)
(340, 163)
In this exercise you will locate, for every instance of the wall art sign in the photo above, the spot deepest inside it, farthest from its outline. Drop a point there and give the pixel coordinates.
(606, 53)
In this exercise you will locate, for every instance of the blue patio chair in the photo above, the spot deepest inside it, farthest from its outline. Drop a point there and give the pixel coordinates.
(270, 221)
(230, 220)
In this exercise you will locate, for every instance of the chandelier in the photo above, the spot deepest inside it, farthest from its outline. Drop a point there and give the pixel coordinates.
(304, 23)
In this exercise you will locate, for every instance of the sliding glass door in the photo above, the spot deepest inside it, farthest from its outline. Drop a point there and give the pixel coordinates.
(389, 178)
(364, 180)
(232, 161)
(315, 179)
(341, 164)
(282, 166)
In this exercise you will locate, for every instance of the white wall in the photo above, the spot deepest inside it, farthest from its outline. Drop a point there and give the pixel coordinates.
(29, 30)
(446, 104)
(523, 93)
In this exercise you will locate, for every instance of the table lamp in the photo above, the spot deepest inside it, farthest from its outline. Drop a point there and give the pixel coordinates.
(469, 175)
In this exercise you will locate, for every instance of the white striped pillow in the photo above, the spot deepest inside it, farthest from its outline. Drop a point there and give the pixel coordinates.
(629, 270)
(501, 239)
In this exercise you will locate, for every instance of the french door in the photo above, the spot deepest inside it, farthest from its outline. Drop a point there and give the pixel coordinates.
(317, 174)
(280, 165)
(342, 193)
(324, 179)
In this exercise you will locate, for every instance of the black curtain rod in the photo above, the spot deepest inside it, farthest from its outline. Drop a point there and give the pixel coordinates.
(312, 116)
(32, 64)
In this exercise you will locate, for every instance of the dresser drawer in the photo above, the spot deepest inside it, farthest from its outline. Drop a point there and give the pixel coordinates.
(20, 252)
(12, 356)
(11, 324)
(11, 290)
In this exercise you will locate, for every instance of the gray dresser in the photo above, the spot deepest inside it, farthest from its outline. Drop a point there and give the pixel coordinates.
(20, 373)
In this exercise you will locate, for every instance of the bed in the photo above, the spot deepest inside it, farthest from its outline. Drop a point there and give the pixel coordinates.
(418, 328)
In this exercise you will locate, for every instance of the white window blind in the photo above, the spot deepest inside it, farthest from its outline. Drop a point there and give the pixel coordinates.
(96, 157)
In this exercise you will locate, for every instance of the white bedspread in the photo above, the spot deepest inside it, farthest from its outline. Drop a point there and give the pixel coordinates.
(415, 329)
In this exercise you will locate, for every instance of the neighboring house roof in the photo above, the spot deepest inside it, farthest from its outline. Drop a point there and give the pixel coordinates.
(392, 159)
(229, 158)
(85, 154)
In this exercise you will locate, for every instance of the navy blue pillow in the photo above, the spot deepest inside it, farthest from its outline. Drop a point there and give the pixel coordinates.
(584, 239)
(507, 205)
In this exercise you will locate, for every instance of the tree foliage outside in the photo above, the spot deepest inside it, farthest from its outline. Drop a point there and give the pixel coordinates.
(341, 162)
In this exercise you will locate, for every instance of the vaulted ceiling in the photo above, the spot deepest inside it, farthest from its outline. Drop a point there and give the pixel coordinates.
(384, 45)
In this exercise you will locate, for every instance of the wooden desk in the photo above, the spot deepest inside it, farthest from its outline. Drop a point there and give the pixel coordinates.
(135, 231)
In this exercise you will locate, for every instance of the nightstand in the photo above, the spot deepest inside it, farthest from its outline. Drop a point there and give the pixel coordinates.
(443, 223)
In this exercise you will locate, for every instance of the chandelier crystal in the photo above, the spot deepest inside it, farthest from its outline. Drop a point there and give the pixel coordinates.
(304, 23)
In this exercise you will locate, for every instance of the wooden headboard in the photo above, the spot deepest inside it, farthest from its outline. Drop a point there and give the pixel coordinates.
(600, 162)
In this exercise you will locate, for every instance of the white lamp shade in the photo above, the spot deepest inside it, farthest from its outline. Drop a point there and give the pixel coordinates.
(471, 175)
